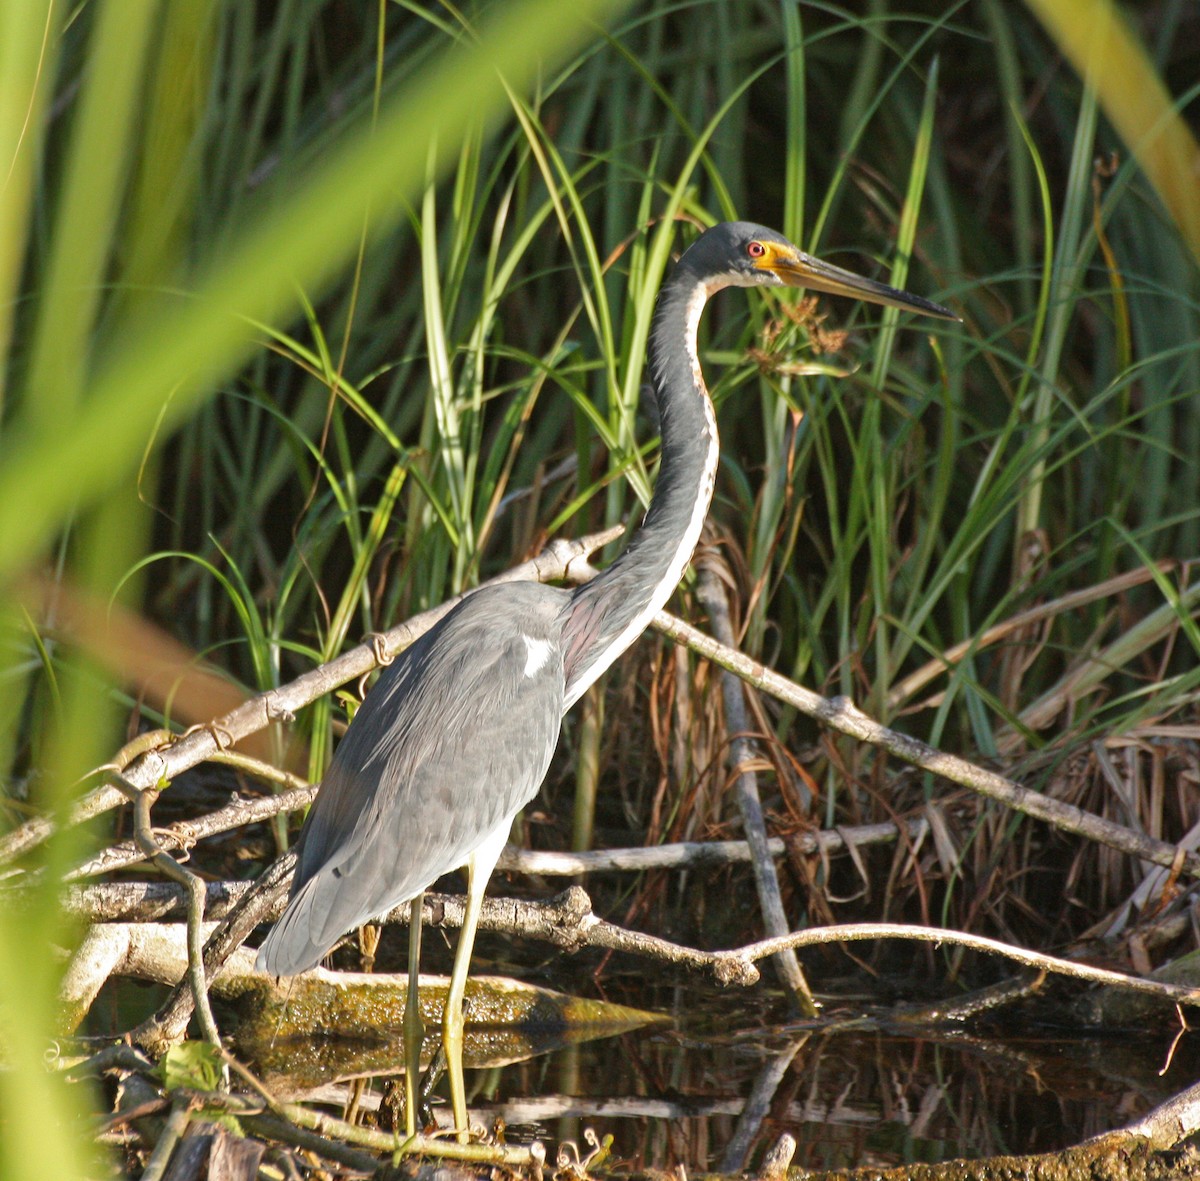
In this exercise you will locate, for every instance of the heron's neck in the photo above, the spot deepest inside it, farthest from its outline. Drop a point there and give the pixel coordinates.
(606, 615)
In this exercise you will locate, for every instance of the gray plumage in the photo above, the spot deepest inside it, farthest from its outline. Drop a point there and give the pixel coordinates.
(459, 731)
(452, 741)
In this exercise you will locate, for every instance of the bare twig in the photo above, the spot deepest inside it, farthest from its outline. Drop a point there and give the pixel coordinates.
(702, 854)
(567, 921)
(142, 801)
(564, 559)
(333, 1129)
(115, 1057)
(841, 714)
(856, 932)
(142, 902)
(185, 833)
(177, 1123)
(284, 1131)
(96, 802)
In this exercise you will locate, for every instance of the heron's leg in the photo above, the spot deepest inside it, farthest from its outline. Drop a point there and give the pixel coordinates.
(479, 869)
(414, 1031)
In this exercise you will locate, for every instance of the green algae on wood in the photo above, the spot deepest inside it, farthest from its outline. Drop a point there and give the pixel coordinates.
(325, 1024)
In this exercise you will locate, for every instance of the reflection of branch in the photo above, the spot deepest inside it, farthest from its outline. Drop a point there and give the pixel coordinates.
(1161, 1129)
(770, 1074)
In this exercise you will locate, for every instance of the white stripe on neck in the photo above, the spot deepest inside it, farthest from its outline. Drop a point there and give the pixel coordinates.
(691, 535)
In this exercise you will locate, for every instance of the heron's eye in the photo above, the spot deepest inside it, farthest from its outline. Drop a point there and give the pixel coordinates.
(756, 250)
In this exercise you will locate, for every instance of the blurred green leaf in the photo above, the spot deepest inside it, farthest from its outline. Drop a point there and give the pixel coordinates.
(196, 1065)
(1112, 61)
(298, 236)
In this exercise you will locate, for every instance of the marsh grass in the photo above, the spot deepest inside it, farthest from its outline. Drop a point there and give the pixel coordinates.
(290, 358)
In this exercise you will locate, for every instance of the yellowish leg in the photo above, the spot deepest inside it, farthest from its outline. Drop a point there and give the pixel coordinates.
(414, 1031)
(479, 870)
(452, 1015)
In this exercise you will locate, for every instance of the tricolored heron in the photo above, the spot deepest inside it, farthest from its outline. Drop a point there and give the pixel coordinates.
(457, 735)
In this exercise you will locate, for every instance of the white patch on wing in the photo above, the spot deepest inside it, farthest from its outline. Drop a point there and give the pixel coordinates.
(539, 653)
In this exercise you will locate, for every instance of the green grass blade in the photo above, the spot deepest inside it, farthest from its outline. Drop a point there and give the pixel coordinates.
(181, 347)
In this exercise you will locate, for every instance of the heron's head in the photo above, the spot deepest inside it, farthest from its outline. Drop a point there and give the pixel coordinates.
(742, 254)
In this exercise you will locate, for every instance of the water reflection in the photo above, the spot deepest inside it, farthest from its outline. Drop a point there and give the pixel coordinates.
(718, 1086)
(719, 1089)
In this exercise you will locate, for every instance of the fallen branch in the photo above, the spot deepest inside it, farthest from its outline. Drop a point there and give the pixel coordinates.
(567, 921)
(1168, 1124)
(857, 932)
(127, 901)
(704, 854)
(183, 834)
(168, 1024)
(563, 559)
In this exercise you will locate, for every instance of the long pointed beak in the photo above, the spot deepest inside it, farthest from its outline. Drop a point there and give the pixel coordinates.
(798, 269)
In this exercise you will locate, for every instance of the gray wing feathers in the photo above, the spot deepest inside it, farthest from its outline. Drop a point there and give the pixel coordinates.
(451, 742)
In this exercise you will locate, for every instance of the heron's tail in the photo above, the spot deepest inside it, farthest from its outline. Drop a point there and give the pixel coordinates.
(290, 947)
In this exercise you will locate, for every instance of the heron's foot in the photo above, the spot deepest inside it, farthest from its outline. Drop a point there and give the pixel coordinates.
(424, 1120)
(459, 1127)
(432, 1077)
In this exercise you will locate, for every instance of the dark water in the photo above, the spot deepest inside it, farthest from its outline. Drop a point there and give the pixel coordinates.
(713, 1097)
(716, 1087)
